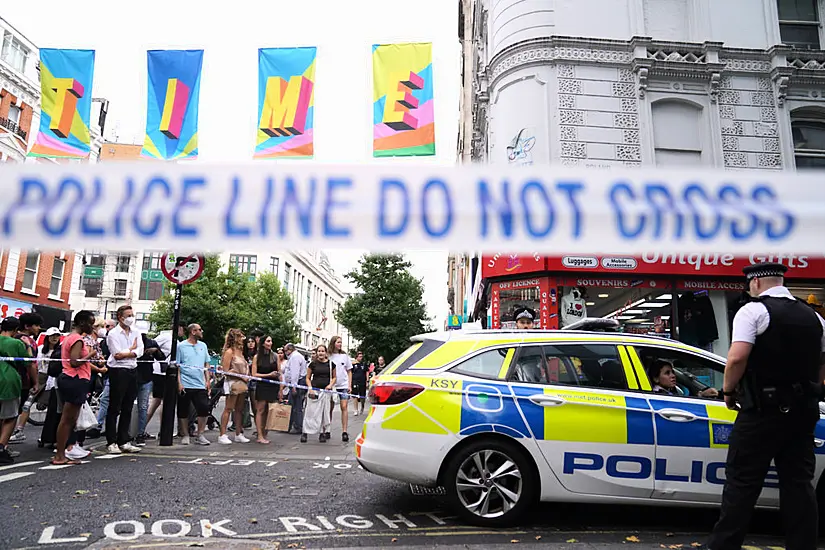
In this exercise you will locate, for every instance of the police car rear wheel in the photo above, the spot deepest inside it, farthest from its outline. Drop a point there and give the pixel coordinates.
(490, 483)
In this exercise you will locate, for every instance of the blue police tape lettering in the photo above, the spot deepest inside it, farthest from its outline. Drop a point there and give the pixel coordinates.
(697, 190)
(66, 186)
(86, 226)
(187, 202)
(121, 210)
(27, 186)
(152, 229)
(291, 203)
(765, 196)
(732, 197)
(395, 186)
(624, 188)
(263, 219)
(655, 192)
(427, 209)
(230, 229)
(330, 230)
(572, 189)
(502, 208)
(544, 205)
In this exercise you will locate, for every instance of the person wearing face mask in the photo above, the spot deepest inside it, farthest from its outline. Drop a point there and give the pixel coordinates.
(101, 330)
(125, 346)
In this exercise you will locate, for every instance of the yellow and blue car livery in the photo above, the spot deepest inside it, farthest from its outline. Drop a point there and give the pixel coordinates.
(613, 441)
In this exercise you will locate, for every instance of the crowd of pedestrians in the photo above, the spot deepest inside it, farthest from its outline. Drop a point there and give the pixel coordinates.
(126, 369)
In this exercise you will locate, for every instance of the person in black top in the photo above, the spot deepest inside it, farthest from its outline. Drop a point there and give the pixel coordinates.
(359, 381)
(151, 352)
(321, 378)
(265, 365)
(774, 378)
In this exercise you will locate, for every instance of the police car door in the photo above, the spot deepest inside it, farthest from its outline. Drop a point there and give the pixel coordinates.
(692, 432)
(574, 398)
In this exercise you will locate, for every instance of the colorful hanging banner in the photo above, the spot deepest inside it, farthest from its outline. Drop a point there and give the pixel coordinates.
(172, 106)
(286, 103)
(66, 86)
(403, 116)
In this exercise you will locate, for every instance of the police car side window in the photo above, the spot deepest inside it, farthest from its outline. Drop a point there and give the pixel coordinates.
(589, 365)
(530, 366)
(694, 374)
(486, 364)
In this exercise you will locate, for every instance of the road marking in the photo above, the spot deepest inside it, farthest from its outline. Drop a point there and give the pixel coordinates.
(108, 457)
(14, 475)
(20, 465)
(61, 466)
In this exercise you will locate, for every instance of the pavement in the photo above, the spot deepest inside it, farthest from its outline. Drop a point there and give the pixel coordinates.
(293, 495)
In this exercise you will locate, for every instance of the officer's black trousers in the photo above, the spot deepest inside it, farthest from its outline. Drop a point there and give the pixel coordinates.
(756, 439)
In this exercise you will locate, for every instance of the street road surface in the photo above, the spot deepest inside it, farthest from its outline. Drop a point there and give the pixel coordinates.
(313, 495)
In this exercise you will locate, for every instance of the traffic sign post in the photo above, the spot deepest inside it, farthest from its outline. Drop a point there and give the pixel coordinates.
(181, 270)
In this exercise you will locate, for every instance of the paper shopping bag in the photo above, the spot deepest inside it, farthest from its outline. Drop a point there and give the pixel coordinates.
(278, 417)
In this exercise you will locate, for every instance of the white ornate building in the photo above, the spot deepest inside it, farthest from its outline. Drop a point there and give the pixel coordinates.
(727, 83)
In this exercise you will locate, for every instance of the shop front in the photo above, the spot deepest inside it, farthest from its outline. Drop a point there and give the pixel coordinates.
(689, 297)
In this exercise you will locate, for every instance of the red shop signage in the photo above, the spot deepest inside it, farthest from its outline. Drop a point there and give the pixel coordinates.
(511, 264)
(704, 284)
(698, 265)
(548, 300)
(604, 282)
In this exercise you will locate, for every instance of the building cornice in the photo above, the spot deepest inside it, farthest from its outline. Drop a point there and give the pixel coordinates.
(21, 81)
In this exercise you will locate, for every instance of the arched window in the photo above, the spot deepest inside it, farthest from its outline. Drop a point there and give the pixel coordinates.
(677, 133)
(808, 130)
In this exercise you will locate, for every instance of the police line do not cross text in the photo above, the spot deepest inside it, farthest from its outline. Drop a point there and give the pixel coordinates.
(212, 207)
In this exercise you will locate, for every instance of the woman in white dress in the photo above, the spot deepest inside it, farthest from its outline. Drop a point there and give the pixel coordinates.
(321, 378)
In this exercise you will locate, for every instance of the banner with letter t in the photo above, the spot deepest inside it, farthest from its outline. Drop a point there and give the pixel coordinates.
(66, 87)
(403, 116)
(286, 91)
(172, 105)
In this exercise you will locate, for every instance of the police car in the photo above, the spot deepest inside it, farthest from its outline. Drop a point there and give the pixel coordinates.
(502, 419)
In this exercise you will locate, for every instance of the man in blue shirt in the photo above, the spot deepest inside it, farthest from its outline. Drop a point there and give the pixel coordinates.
(193, 381)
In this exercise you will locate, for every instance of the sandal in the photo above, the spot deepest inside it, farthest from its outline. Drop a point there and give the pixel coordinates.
(69, 461)
(264, 441)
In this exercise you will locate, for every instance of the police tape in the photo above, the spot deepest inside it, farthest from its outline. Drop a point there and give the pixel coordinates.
(205, 208)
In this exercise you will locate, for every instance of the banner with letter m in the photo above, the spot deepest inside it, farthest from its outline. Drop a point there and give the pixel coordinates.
(286, 96)
(172, 105)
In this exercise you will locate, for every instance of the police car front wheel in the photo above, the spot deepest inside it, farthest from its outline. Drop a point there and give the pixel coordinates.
(490, 483)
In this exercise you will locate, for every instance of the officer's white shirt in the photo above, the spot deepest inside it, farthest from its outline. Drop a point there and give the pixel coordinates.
(753, 319)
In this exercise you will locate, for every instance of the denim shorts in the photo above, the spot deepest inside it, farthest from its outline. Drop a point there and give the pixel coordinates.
(73, 389)
(343, 393)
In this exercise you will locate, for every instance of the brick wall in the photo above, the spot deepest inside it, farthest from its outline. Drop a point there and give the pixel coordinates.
(44, 275)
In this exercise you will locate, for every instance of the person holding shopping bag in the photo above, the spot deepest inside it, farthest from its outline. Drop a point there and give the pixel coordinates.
(321, 378)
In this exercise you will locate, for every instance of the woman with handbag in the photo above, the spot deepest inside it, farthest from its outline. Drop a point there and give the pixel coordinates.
(265, 365)
(321, 378)
(235, 387)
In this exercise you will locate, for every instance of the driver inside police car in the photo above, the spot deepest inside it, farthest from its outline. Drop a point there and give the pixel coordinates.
(525, 317)
(663, 377)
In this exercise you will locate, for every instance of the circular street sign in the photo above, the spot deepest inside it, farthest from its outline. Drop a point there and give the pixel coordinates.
(182, 269)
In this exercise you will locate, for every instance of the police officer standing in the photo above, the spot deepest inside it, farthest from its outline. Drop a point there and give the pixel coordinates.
(774, 377)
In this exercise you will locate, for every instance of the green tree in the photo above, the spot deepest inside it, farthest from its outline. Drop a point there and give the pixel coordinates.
(388, 310)
(220, 300)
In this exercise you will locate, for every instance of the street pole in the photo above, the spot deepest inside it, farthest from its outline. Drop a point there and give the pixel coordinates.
(170, 393)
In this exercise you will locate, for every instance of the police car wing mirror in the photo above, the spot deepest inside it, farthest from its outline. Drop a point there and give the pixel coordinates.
(594, 324)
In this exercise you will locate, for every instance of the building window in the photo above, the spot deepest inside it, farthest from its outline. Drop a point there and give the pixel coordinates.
(287, 273)
(14, 53)
(120, 288)
(56, 283)
(799, 23)
(677, 133)
(122, 264)
(244, 263)
(30, 272)
(14, 114)
(808, 130)
(95, 259)
(273, 265)
(152, 260)
(92, 286)
(309, 301)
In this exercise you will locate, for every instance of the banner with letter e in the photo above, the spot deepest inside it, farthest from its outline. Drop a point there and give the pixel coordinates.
(66, 104)
(172, 104)
(403, 115)
(286, 91)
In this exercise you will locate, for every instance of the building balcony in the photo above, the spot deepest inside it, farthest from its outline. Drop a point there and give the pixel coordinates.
(13, 128)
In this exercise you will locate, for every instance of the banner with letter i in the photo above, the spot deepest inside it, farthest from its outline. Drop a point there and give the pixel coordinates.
(403, 116)
(172, 106)
(286, 103)
(66, 87)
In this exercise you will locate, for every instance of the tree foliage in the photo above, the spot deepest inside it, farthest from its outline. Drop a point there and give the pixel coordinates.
(389, 308)
(219, 301)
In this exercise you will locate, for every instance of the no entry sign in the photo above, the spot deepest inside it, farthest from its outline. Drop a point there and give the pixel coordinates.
(182, 269)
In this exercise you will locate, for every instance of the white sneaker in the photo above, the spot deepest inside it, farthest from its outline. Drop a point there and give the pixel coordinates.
(113, 449)
(129, 448)
(77, 453)
(184, 440)
(241, 438)
(201, 440)
(18, 436)
(224, 440)
(355, 414)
